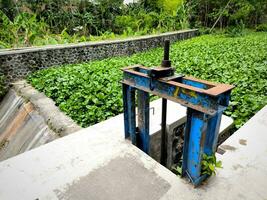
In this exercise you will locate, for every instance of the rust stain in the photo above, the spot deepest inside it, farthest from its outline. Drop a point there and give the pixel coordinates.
(133, 67)
(243, 142)
(203, 138)
(219, 89)
(12, 129)
(228, 147)
(137, 73)
(215, 89)
(184, 86)
(191, 78)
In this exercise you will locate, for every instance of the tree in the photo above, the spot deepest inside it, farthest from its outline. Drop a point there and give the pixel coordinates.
(9, 8)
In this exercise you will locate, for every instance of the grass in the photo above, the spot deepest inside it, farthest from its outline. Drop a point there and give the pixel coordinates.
(91, 92)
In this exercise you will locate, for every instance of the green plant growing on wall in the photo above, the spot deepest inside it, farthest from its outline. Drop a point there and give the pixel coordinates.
(209, 164)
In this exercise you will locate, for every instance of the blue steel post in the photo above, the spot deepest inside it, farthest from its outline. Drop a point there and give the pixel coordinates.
(201, 136)
(213, 133)
(129, 112)
(195, 135)
(143, 120)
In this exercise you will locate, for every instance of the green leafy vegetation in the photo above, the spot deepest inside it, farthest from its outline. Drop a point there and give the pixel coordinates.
(209, 164)
(35, 23)
(91, 92)
(236, 31)
(223, 14)
(42, 22)
(262, 27)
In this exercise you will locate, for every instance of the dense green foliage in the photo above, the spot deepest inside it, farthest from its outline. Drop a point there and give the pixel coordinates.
(227, 13)
(262, 27)
(27, 22)
(91, 92)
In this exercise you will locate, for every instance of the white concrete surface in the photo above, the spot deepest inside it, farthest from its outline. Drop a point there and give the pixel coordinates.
(65, 168)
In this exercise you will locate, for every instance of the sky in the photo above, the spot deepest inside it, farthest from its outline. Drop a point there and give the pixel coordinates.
(129, 1)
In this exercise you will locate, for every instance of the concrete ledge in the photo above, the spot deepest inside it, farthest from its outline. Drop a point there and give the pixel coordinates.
(55, 119)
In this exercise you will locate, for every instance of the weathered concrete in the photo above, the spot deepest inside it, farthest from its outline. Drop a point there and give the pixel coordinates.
(18, 63)
(21, 127)
(55, 119)
(68, 168)
(29, 119)
(117, 181)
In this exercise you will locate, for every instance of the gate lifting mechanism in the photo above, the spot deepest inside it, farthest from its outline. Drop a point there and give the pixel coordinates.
(205, 102)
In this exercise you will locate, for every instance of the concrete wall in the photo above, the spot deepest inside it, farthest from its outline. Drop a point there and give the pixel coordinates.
(29, 119)
(18, 63)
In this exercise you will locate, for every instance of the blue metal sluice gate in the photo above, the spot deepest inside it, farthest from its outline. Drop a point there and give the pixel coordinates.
(205, 102)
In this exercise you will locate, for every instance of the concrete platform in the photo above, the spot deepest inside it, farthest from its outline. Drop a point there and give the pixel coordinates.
(97, 163)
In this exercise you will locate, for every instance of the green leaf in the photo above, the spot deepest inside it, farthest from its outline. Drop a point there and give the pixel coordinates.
(212, 168)
(219, 164)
